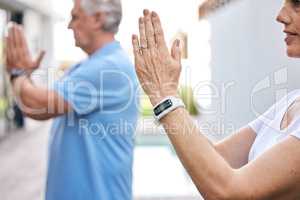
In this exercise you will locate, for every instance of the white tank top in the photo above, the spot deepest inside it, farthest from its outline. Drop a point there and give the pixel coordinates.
(267, 126)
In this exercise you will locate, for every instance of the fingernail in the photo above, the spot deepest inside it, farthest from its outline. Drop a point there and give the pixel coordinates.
(146, 11)
(154, 14)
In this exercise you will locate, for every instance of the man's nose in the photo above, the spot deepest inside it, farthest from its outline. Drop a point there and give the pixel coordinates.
(70, 25)
(283, 16)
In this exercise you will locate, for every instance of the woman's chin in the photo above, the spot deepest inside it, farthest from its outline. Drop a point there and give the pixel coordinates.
(293, 53)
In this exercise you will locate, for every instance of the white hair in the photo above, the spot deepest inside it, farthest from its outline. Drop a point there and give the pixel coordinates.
(112, 9)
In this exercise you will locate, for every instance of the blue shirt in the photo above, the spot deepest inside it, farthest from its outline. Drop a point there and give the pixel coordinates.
(91, 148)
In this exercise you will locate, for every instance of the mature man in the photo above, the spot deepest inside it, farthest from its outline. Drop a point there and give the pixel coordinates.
(94, 106)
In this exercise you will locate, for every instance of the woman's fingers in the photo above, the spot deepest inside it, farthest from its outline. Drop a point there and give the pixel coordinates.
(138, 58)
(158, 31)
(176, 51)
(149, 29)
(143, 39)
(135, 44)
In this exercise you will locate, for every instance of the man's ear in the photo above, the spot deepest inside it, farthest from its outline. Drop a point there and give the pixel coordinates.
(99, 20)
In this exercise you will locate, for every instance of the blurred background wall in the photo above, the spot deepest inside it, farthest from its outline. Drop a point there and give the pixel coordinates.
(37, 18)
(249, 60)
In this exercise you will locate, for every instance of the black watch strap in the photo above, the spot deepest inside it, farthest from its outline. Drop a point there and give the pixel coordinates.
(166, 106)
(15, 73)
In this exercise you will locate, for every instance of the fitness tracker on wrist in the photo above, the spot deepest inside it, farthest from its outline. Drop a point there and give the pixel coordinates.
(165, 106)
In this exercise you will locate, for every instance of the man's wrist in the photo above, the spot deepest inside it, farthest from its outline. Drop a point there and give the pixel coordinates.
(15, 79)
(16, 73)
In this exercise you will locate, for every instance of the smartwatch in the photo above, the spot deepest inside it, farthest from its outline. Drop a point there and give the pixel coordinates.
(166, 106)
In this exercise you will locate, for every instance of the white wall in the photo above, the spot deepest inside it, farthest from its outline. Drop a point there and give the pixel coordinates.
(44, 6)
(39, 32)
(247, 47)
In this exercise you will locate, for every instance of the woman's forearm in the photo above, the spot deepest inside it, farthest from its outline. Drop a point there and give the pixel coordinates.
(204, 164)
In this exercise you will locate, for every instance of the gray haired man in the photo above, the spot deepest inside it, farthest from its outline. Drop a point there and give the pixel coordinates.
(94, 106)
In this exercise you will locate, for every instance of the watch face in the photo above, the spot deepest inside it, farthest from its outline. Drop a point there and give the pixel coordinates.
(162, 107)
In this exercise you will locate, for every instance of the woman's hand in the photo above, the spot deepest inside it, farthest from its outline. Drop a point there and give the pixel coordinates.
(17, 52)
(157, 69)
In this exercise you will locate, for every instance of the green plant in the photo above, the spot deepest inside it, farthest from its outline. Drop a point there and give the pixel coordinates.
(146, 107)
(187, 95)
(3, 106)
